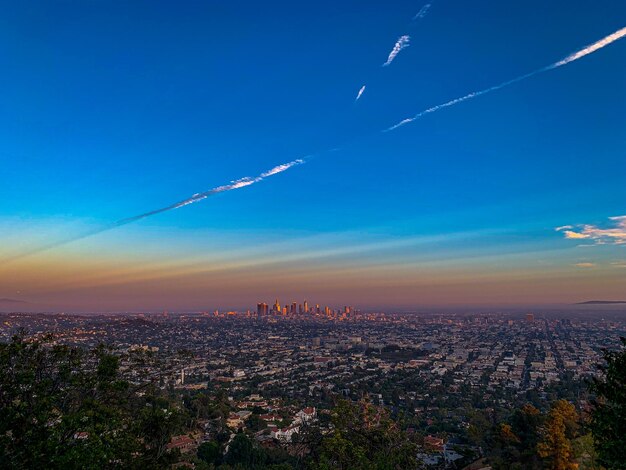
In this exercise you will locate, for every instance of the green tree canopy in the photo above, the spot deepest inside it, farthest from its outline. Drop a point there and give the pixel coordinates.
(364, 437)
(62, 407)
(608, 421)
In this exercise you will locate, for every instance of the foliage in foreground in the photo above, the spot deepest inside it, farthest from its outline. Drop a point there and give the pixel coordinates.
(365, 437)
(61, 407)
(608, 423)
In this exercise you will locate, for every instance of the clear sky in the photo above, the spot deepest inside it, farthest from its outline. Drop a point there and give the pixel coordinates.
(109, 110)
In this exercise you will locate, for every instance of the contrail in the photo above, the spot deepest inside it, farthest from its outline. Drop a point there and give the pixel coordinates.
(401, 43)
(619, 34)
(240, 183)
(570, 58)
(247, 181)
(423, 11)
(361, 90)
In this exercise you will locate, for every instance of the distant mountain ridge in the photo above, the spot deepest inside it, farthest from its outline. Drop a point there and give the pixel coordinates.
(601, 302)
(12, 301)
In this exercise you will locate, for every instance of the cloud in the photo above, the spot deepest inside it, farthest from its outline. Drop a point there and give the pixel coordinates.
(619, 264)
(423, 11)
(401, 43)
(585, 265)
(279, 169)
(574, 235)
(361, 90)
(197, 197)
(570, 58)
(614, 233)
(592, 47)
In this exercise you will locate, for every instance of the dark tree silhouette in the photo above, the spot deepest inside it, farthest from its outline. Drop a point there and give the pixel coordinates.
(62, 407)
(608, 420)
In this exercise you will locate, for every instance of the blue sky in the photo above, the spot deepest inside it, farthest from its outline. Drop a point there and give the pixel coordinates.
(109, 110)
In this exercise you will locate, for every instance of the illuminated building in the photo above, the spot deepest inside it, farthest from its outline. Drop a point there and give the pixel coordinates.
(262, 308)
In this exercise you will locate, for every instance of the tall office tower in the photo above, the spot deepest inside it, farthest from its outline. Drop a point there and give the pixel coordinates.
(276, 307)
(300, 310)
(285, 310)
(317, 308)
(306, 306)
(262, 308)
(530, 317)
(327, 310)
(294, 307)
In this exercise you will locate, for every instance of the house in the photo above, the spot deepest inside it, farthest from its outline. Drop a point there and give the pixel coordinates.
(235, 420)
(284, 434)
(433, 443)
(306, 415)
(183, 443)
(270, 417)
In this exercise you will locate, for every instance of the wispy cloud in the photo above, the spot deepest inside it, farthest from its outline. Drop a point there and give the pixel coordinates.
(279, 169)
(585, 265)
(570, 58)
(401, 43)
(361, 90)
(423, 11)
(592, 47)
(236, 184)
(613, 234)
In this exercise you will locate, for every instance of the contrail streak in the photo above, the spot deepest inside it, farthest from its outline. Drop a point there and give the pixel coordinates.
(361, 90)
(237, 184)
(401, 43)
(240, 183)
(423, 11)
(247, 181)
(570, 58)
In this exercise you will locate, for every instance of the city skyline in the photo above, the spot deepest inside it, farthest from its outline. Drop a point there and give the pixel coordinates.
(512, 199)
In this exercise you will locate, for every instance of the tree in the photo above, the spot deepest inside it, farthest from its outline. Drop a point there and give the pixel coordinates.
(365, 437)
(254, 423)
(608, 419)
(62, 407)
(243, 452)
(586, 454)
(526, 423)
(209, 452)
(557, 433)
